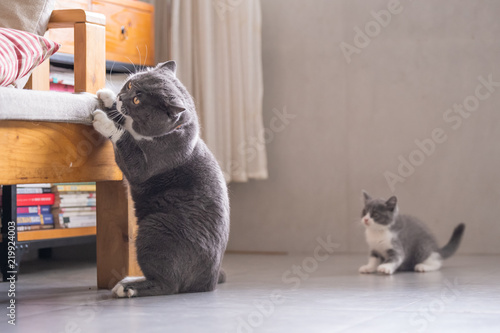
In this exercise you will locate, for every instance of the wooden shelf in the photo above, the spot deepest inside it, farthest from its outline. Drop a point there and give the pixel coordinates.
(24, 236)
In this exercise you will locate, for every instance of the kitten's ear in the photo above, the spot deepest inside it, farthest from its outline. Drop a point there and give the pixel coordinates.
(168, 65)
(176, 104)
(391, 203)
(366, 196)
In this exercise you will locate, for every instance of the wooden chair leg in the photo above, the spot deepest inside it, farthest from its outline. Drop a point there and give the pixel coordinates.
(116, 229)
(90, 65)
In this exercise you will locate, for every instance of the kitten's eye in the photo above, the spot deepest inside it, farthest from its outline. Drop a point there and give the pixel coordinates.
(375, 215)
(130, 86)
(136, 100)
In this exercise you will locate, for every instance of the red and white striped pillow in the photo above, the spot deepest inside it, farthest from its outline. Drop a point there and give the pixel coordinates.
(21, 52)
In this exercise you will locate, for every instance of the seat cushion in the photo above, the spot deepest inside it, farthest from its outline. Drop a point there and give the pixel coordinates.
(20, 104)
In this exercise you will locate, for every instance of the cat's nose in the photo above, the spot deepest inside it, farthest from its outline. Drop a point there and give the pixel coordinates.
(366, 221)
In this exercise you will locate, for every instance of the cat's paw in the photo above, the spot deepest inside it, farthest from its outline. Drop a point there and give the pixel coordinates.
(107, 97)
(103, 124)
(106, 126)
(122, 291)
(367, 269)
(386, 268)
(422, 268)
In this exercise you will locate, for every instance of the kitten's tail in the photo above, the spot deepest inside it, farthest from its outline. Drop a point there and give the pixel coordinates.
(449, 249)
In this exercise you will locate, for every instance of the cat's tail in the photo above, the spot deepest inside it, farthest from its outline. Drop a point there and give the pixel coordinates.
(449, 249)
(222, 276)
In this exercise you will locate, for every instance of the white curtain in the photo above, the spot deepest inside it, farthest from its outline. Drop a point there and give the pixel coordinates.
(217, 47)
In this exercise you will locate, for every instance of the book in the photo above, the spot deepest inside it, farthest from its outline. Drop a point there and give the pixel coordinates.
(71, 210)
(28, 219)
(78, 213)
(33, 190)
(78, 221)
(33, 210)
(77, 200)
(82, 183)
(34, 185)
(35, 227)
(35, 199)
(75, 188)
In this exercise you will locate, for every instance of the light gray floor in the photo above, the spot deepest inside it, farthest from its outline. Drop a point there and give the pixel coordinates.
(269, 294)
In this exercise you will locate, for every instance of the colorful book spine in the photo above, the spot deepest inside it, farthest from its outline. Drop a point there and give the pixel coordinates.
(35, 227)
(33, 210)
(70, 210)
(75, 188)
(78, 221)
(27, 219)
(35, 185)
(45, 199)
(72, 200)
(33, 190)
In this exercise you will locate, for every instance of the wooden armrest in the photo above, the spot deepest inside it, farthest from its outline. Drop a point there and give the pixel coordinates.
(66, 18)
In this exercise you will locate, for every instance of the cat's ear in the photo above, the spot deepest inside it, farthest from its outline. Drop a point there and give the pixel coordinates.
(391, 203)
(168, 65)
(366, 196)
(176, 104)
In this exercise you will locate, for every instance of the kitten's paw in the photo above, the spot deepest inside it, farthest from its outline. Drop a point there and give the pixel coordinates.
(121, 291)
(367, 269)
(386, 268)
(422, 268)
(107, 97)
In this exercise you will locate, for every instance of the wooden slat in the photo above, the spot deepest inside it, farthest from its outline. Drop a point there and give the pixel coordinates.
(45, 152)
(66, 18)
(115, 235)
(90, 57)
(40, 78)
(129, 31)
(136, 5)
(55, 233)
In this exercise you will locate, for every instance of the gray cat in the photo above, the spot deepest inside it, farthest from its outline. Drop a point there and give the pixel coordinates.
(401, 242)
(178, 189)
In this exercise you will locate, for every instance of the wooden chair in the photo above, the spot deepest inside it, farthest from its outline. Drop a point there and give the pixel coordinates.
(46, 152)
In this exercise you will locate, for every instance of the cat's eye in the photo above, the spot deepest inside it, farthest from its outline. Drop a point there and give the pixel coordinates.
(136, 100)
(130, 87)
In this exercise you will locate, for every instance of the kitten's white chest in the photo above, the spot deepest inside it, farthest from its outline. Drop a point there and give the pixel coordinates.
(379, 240)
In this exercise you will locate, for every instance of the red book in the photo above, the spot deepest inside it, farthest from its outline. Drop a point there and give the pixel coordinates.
(35, 199)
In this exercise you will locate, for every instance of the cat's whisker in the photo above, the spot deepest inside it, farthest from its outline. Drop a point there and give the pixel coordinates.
(140, 57)
(132, 63)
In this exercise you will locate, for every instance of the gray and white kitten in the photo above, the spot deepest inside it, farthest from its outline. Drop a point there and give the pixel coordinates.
(401, 242)
(178, 189)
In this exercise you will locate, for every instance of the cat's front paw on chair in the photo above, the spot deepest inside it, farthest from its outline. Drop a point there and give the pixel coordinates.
(107, 97)
(105, 126)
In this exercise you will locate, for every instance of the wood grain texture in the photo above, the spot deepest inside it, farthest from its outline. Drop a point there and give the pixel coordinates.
(135, 45)
(66, 18)
(90, 63)
(129, 31)
(65, 36)
(45, 152)
(55, 233)
(40, 77)
(115, 234)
